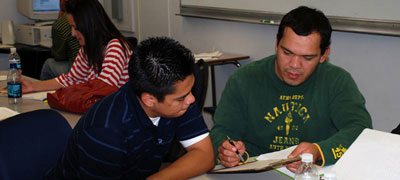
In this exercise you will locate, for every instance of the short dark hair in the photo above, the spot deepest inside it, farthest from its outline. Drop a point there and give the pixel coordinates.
(93, 22)
(157, 64)
(304, 20)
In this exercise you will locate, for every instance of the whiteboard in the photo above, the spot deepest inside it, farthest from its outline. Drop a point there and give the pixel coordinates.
(383, 14)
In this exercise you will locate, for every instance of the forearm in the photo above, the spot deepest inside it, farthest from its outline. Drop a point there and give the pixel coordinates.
(195, 162)
(230, 118)
(334, 147)
(349, 122)
(348, 115)
(192, 164)
(226, 124)
(47, 85)
(218, 135)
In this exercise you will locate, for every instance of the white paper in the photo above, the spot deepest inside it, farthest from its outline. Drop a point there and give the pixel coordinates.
(273, 157)
(41, 96)
(6, 113)
(373, 156)
(283, 154)
(3, 77)
(208, 56)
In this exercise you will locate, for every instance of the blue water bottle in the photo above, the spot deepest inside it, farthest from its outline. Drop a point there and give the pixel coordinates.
(14, 79)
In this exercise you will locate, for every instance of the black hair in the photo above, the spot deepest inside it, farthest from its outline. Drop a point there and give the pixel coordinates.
(304, 20)
(157, 64)
(96, 27)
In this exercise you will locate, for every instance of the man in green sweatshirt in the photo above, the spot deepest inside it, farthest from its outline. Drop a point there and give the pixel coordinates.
(295, 97)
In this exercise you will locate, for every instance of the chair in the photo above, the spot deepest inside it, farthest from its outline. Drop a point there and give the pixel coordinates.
(199, 89)
(31, 143)
(133, 41)
(396, 130)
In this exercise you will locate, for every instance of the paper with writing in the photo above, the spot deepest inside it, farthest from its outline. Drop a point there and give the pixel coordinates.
(263, 162)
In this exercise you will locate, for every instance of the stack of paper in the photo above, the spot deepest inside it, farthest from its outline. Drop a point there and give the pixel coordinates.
(6, 113)
(3, 77)
(373, 156)
(208, 56)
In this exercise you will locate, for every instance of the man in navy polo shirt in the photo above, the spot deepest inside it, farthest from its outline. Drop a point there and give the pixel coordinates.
(126, 134)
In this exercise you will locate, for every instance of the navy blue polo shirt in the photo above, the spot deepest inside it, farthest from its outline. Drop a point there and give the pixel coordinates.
(115, 139)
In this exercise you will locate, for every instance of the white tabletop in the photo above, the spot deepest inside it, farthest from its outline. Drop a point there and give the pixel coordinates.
(30, 105)
(270, 175)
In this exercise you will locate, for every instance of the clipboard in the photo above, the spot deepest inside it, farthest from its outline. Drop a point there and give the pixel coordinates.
(254, 166)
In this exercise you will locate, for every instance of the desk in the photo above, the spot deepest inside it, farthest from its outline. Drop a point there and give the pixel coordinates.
(270, 175)
(224, 59)
(32, 58)
(30, 105)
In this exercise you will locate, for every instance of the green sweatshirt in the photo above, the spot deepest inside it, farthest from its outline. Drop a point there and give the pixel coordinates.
(268, 115)
(65, 46)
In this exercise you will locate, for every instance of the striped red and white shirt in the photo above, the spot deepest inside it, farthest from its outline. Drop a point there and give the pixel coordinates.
(114, 69)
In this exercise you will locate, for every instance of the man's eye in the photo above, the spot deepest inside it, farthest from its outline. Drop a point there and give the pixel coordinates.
(286, 52)
(308, 58)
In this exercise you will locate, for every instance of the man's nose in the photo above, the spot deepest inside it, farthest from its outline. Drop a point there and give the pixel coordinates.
(190, 98)
(295, 62)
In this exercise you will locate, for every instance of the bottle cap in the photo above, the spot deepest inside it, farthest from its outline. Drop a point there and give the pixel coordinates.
(329, 175)
(307, 157)
(13, 50)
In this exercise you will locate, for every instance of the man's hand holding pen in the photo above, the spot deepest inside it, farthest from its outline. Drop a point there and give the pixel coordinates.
(227, 153)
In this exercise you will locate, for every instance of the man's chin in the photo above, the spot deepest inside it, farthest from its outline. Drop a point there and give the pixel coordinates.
(179, 114)
(293, 82)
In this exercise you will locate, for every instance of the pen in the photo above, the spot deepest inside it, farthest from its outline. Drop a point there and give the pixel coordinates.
(237, 151)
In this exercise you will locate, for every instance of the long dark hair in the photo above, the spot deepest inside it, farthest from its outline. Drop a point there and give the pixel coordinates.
(96, 27)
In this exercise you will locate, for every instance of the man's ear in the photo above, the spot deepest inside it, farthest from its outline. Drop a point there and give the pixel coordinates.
(325, 55)
(148, 99)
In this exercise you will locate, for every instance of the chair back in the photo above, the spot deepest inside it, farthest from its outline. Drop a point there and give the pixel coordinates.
(133, 41)
(31, 143)
(199, 89)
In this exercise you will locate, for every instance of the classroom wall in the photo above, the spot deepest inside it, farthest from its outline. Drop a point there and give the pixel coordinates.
(372, 60)
(8, 11)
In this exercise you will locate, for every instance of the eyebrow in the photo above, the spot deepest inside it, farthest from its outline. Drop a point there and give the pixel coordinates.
(182, 97)
(305, 55)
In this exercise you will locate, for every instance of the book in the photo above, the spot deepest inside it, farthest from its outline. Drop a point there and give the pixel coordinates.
(261, 163)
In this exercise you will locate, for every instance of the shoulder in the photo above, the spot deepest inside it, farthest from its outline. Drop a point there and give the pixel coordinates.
(191, 124)
(335, 78)
(192, 113)
(254, 70)
(61, 24)
(331, 71)
(110, 110)
(115, 45)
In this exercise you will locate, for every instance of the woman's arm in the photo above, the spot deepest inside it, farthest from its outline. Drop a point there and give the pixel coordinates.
(34, 86)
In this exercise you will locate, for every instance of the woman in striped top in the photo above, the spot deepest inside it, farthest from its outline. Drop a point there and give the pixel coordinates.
(104, 52)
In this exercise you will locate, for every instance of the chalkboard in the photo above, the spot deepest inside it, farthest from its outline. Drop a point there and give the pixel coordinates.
(365, 16)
